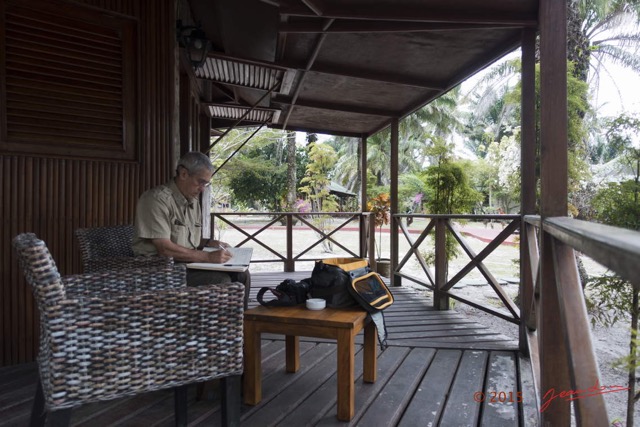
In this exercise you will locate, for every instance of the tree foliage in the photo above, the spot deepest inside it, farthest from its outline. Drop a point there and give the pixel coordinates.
(315, 184)
(254, 181)
(618, 203)
(448, 186)
(256, 176)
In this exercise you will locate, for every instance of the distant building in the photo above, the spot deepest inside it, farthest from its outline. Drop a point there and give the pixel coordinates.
(341, 193)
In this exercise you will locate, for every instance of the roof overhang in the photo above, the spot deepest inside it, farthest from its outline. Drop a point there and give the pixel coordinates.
(347, 67)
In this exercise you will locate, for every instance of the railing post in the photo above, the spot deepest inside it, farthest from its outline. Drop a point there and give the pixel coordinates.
(289, 264)
(371, 231)
(526, 286)
(554, 366)
(527, 175)
(440, 301)
(362, 224)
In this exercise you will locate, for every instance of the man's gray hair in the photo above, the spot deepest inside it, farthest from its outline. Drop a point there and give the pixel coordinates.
(194, 162)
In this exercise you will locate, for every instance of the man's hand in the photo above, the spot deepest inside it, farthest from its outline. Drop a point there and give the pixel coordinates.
(219, 257)
(167, 248)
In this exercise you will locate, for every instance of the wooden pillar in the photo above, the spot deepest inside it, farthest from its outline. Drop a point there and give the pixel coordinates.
(528, 174)
(554, 368)
(440, 301)
(185, 114)
(289, 264)
(204, 132)
(365, 232)
(393, 226)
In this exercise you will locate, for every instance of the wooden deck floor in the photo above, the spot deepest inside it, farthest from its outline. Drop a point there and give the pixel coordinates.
(435, 364)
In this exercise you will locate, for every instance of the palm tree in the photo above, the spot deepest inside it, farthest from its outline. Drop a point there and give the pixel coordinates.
(601, 31)
(437, 119)
(291, 170)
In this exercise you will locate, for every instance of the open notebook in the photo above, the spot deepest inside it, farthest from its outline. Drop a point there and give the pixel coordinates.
(240, 261)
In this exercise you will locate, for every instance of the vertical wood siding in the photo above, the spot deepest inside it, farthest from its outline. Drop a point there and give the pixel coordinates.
(54, 196)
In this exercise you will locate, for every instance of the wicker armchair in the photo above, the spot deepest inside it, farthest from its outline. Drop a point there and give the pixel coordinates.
(109, 248)
(108, 335)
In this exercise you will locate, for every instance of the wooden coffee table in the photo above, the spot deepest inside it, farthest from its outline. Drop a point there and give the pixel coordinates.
(339, 324)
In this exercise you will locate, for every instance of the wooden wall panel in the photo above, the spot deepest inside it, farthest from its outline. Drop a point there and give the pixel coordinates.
(53, 196)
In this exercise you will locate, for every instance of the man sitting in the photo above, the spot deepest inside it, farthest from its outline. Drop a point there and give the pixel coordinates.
(169, 222)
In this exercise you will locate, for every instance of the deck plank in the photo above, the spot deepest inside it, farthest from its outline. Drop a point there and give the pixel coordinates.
(288, 398)
(428, 402)
(388, 363)
(387, 408)
(461, 409)
(428, 374)
(322, 402)
(500, 407)
(277, 380)
(530, 409)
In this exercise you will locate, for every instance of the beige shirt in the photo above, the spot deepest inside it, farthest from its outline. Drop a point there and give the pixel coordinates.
(164, 213)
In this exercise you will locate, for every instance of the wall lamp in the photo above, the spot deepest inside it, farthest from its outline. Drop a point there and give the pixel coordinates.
(195, 41)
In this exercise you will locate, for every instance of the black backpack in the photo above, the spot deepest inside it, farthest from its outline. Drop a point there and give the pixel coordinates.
(345, 282)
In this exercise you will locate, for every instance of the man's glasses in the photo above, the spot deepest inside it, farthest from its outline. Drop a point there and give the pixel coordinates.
(203, 183)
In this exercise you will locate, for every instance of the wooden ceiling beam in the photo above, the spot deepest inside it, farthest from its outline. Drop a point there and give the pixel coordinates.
(481, 15)
(368, 75)
(357, 26)
(334, 107)
(303, 72)
(313, 6)
(322, 131)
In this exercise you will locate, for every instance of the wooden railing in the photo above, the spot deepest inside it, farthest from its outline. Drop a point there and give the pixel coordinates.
(558, 328)
(438, 282)
(322, 224)
(554, 325)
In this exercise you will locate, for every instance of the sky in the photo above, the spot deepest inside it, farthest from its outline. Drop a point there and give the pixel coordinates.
(619, 92)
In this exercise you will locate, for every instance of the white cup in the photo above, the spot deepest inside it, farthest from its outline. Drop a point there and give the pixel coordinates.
(316, 303)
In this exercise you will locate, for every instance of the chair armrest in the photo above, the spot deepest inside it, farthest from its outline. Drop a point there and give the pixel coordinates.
(142, 342)
(125, 281)
(120, 263)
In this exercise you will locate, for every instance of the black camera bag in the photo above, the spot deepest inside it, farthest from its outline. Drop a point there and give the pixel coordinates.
(287, 293)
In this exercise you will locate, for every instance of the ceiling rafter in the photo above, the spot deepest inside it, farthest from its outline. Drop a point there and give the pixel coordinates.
(481, 15)
(312, 130)
(334, 107)
(315, 8)
(312, 58)
(368, 75)
(357, 26)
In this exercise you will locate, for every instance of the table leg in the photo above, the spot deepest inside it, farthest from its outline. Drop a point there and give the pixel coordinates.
(252, 387)
(292, 353)
(370, 361)
(346, 388)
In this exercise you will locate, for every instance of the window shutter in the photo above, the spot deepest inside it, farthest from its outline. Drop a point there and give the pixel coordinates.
(69, 85)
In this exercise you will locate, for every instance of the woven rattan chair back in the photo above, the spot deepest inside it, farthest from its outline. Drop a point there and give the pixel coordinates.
(40, 271)
(109, 248)
(102, 242)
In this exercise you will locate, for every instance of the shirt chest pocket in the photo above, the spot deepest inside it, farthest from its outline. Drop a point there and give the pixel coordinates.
(180, 233)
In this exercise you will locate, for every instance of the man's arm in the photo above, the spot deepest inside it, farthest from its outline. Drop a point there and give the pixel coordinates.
(167, 248)
(211, 243)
